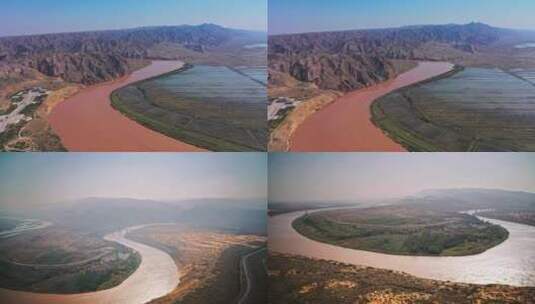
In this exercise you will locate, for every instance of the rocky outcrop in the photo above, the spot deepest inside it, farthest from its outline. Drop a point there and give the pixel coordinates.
(87, 68)
(91, 57)
(349, 60)
(341, 72)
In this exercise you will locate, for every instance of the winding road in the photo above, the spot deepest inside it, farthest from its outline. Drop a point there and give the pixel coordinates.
(246, 296)
(511, 262)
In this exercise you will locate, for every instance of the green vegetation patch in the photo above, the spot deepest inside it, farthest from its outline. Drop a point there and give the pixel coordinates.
(55, 270)
(11, 133)
(470, 109)
(8, 110)
(216, 108)
(413, 233)
(99, 280)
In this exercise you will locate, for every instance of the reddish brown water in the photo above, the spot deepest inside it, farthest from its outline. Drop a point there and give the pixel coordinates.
(345, 124)
(87, 122)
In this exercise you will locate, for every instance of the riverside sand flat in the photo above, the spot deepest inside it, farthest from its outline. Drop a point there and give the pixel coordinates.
(345, 125)
(87, 121)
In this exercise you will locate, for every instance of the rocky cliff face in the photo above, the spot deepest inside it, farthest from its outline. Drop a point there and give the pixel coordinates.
(87, 68)
(91, 57)
(348, 60)
(343, 72)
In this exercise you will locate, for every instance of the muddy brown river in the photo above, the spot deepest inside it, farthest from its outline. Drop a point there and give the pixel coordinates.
(156, 276)
(512, 262)
(345, 124)
(86, 122)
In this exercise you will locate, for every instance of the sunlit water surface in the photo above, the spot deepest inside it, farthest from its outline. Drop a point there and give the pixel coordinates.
(512, 262)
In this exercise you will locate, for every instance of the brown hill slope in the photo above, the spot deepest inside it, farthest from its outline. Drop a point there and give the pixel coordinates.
(91, 57)
(348, 60)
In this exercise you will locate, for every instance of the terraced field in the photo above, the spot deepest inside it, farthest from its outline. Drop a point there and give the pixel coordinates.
(472, 109)
(213, 107)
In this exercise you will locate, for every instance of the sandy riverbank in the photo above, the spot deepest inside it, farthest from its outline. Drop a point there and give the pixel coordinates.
(345, 124)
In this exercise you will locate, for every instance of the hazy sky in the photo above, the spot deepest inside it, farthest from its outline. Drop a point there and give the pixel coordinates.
(351, 176)
(19, 17)
(294, 16)
(51, 177)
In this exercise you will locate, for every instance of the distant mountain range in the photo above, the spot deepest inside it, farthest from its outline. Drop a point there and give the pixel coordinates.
(348, 60)
(92, 57)
(476, 198)
(105, 215)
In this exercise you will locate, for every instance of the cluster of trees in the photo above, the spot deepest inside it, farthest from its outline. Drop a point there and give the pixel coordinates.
(431, 242)
(464, 235)
(92, 280)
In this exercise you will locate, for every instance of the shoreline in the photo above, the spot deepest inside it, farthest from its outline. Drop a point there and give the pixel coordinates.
(374, 284)
(87, 121)
(280, 137)
(385, 252)
(376, 110)
(122, 293)
(137, 103)
(183, 68)
(345, 125)
(471, 269)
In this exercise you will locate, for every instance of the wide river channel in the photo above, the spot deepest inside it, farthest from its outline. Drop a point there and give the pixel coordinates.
(512, 262)
(345, 125)
(86, 122)
(156, 276)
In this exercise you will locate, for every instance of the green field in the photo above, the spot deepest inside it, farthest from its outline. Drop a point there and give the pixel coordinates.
(473, 109)
(402, 230)
(60, 262)
(213, 107)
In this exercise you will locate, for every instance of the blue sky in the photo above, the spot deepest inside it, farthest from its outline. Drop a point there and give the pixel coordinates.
(320, 15)
(52, 177)
(353, 176)
(19, 17)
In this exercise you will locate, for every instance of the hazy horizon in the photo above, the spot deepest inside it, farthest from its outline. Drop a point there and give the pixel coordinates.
(32, 17)
(129, 28)
(303, 16)
(377, 176)
(33, 179)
